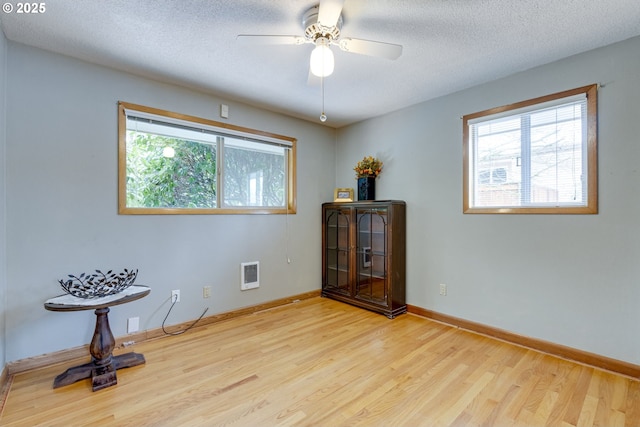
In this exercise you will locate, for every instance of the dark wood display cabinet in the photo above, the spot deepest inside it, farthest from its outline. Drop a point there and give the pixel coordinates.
(363, 254)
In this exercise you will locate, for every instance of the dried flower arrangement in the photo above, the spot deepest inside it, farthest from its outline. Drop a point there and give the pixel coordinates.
(368, 166)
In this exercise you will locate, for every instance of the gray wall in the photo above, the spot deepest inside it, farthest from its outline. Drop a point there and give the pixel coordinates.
(61, 140)
(568, 279)
(3, 222)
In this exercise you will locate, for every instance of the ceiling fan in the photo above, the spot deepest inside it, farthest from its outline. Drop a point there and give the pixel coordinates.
(322, 24)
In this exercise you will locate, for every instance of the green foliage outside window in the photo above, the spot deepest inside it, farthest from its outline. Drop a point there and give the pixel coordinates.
(154, 181)
(189, 179)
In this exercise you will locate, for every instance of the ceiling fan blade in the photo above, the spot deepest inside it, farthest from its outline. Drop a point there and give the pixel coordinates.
(371, 48)
(260, 39)
(329, 12)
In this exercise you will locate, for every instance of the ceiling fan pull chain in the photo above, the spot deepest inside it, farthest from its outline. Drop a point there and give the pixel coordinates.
(323, 116)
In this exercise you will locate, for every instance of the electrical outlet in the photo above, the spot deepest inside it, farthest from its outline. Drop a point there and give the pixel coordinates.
(133, 324)
(175, 295)
(206, 292)
(443, 289)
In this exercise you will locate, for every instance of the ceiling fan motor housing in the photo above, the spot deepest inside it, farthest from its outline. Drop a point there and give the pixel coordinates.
(313, 30)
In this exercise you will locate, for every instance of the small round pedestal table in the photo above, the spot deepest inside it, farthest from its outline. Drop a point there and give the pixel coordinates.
(103, 365)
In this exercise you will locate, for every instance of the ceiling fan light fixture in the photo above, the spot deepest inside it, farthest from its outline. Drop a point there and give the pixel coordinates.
(321, 62)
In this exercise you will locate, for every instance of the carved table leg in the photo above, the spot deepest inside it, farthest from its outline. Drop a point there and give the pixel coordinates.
(102, 345)
(103, 365)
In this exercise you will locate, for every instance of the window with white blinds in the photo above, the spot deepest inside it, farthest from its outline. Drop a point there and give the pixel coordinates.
(537, 156)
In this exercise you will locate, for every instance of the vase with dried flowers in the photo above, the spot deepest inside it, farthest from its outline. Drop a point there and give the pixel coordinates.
(367, 170)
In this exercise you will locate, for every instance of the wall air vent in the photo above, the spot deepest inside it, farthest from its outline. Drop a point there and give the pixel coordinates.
(249, 275)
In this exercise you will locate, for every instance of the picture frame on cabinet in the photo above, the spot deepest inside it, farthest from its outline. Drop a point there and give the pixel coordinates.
(343, 195)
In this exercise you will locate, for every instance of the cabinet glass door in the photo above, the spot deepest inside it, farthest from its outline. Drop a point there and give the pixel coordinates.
(371, 254)
(337, 249)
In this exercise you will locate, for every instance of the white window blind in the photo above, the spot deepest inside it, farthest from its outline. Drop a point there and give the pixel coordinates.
(530, 157)
(170, 126)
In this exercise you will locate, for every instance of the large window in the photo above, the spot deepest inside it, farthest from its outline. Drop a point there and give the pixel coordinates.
(537, 156)
(175, 164)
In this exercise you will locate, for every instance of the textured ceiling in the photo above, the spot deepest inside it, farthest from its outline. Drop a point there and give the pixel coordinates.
(448, 45)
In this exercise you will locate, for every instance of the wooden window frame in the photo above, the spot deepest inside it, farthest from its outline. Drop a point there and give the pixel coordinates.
(591, 206)
(123, 209)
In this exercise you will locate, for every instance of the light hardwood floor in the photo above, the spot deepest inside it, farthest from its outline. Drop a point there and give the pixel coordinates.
(320, 362)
